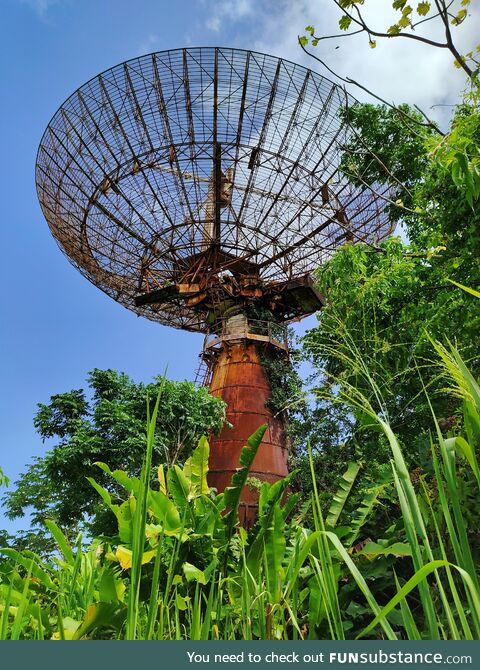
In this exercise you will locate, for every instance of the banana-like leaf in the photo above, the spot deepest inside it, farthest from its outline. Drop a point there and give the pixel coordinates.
(290, 504)
(103, 493)
(61, 540)
(101, 615)
(340, 497)
(275, 552)
(131, 484)
(165, 511)
(196, 469)
(178, 487)
(362, 513)
(208, 515)
(233, 492)
(123, 512)
(373, 550)
(268, 526)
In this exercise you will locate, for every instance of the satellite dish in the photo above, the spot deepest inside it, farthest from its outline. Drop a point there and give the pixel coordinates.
(191, 184)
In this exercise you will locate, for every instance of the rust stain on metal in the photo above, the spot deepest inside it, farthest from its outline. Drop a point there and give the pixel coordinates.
(240, 380)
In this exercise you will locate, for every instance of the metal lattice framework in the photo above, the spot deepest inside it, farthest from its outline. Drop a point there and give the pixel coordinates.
(167, 173)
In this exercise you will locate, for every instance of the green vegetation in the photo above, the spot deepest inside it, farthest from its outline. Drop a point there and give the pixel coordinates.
(110, 426)
(178, 567)
(378, 536)
(387, 301)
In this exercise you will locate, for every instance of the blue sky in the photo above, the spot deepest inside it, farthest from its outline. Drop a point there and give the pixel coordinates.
(55, 325)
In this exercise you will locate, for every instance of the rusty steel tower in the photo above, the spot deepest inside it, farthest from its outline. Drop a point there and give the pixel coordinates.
(199, 188)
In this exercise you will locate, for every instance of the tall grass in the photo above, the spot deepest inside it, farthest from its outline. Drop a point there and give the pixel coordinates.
(181, 568)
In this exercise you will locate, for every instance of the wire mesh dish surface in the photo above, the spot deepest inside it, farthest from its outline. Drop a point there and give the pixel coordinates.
(175, 168)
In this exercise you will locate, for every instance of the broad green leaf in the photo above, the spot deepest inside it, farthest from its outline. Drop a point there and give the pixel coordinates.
(61, 540)
(373, 549)
(131, 484)
(196, 469)
(181, 603)
(344, 23)
(100, 615)
(110, 588)
(275, 551)
(233, 493)
(269, 527)
(70, 626)
(340, 497)
(32, 563)
(124, 514)
(423, 8)
(124, 556)
(363, 511)
(178, 486)
(104, 494)
(193, 574)
(164, 511)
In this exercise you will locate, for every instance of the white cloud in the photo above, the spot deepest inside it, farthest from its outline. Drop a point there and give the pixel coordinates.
(148, 45)
(227, 12)
(237, 9)
(213, 24)
(398, 69)
(40, 7)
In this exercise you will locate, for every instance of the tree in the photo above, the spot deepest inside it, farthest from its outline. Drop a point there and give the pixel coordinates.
(109, 427)
(410, 23)
(4, 481)
(384, 304)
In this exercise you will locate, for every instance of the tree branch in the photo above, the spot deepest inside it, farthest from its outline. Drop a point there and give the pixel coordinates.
(442, 13)
(348, 80)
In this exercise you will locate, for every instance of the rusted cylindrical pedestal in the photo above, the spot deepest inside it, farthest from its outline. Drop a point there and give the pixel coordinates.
(240, 380)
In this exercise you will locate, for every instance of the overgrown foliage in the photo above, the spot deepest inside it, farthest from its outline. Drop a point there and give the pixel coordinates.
(107, 425)
(177, 566)
(381, 301)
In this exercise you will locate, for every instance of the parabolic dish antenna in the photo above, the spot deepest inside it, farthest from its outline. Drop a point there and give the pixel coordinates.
(179, 178)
